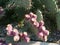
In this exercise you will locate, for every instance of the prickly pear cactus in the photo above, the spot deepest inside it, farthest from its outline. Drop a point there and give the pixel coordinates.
(39, 15)
(58, 20)
(20, 3)
(50, 5)
(19, 9)
(29, 17)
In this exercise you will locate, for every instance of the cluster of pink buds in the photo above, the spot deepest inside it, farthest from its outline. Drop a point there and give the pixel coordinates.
(11, 31)
(15, 33)
(25, 36)
(42, 32)
(32, 18)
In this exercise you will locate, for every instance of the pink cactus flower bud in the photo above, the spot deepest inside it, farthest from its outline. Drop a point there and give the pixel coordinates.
(27, 16)
(41, 23)
(33, 20)
(41, 28)
(40, 34)
(16, 38)
(25, 34)
(11, 33)
(21, 34)
(16, 31)
(45, 38)
(46, 32)
(27, 39)
(9, 27)
(36, 24)
(33, 15)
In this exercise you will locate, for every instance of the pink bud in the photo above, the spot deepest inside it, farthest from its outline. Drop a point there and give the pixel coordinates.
(27, 39)
(16, 31)
(36, 24)
(46, 32)
(12, 33)
(20, 34)
(33, 20)
(16, 38)
(25, 34)
(41, 23)
(40, 34)
(41, 28)
(9, 27)
(33, 15)
(27, 16)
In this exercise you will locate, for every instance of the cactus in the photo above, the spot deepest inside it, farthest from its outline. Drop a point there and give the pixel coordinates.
(39, 15)
(50, 5)
(29, 16)
(16, 6)
(58, 20)
(37, 5)
(20, 3)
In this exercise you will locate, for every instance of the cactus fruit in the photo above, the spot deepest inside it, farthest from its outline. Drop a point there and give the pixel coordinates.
(9, 27)
(41, 23)
(16, 38)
